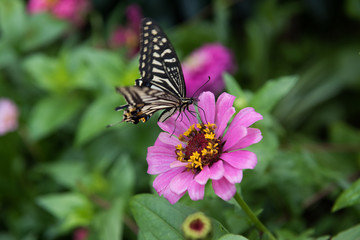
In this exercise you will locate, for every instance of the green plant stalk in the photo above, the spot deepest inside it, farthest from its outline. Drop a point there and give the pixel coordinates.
(252, 216)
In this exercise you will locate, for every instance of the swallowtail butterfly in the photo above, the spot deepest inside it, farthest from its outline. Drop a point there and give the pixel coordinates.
(162, 85)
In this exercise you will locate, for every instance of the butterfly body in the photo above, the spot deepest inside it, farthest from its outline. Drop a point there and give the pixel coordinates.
(161, 86)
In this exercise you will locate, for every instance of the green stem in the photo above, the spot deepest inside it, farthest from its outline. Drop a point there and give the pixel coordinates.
(252, 216)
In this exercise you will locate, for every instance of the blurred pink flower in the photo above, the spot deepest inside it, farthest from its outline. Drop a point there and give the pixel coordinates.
(211, 60)
(191, 152)
(80, 234)
(8, 116)
(128, 36)
(71, 10)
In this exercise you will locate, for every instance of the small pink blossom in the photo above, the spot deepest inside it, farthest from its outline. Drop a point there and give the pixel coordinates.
(191, 152)
(8, 116)
(80, 234)
(128, 35)
(71, 10)
(211, 60)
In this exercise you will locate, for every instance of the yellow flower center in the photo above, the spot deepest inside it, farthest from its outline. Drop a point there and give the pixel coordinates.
(202, 147)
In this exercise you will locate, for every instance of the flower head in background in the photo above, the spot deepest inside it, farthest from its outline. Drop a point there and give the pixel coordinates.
(198, 151)
(73, 11)
(128, 36)
(211, 60)
(8, 116)
(80, 234)
(196, 226)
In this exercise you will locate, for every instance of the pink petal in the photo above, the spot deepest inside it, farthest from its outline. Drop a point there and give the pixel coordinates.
(217, 170)
(246, 117)
(181, 182)
(224, 189)
(168, 139)
(223, 104)
(161, 151)
(161, 144)
(222, 121)
(233, 175)
(224, 111)
(203, 176)
(178, 164)
(163, 180)
(253, 136)
(234, 134)
(207, 107)
(241, 159)
(170, 195)
(159, 159)
(196, 191)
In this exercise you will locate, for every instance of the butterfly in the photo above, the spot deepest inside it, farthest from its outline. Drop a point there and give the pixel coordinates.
(161, 86)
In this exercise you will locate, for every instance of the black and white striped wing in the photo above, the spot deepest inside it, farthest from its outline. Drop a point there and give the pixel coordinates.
(143, 102)
(159, 67)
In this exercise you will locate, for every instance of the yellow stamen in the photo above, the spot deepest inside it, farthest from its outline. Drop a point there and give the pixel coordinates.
(210, 136)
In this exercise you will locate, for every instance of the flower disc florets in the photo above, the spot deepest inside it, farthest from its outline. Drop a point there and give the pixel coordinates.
(202, 147)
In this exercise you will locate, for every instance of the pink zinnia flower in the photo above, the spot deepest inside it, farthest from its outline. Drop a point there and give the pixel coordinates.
(211, 60)
(190, 152)
(71, 10)
(8, 116)
(128, 36)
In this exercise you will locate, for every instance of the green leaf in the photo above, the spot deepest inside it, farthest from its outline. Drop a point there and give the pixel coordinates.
(108, 67)
(122, 177)
(108, 225)
(232, 237)
(46, 72)
(12, 19)
(349, 197)
(157, 216)
(51, 113)
(75, 171)
(343, 133)
(159, 219)
(351, 233)
(41, 29)
(71, 209)
(8, 55)
(233, 87)
(97, 116)
(268, 96)
(144, 235)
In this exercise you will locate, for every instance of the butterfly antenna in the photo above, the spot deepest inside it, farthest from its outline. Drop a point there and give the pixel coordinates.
(113, 124)
(197, 90)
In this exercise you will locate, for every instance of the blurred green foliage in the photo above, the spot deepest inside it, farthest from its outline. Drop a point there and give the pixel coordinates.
(298, 65)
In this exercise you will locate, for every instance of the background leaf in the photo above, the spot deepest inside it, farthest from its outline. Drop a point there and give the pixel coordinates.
(51, 113)
(267, 97)
(349, 197)
(70, 208)
(352, 233)
(97, 116)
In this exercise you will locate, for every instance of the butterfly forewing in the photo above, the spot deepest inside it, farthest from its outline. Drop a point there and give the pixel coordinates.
(161, 86)
(159, 65)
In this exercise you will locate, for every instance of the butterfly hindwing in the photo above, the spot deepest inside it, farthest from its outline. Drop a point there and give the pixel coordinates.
(143, 102)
